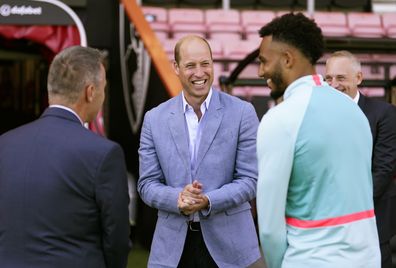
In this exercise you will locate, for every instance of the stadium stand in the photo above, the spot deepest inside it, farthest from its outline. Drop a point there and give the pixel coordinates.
(223, 24)
(389, 24)
(365, 25)
(332, 23)
(233, 34)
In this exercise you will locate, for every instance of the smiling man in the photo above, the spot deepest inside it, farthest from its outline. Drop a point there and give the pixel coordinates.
(314, 192)
(198, 167)
(344, 72)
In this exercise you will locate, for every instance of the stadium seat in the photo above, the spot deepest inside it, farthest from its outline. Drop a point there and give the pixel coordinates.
(217, 49)
(363, 24)
(392, 72)
(223, 24)
(185, 21)
(332, 23)
(253, 20)
(373, 72)
(158, 19)
(237, 50)
(389, 23)
(169, 46)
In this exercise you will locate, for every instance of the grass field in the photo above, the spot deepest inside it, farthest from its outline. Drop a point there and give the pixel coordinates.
(138, 257)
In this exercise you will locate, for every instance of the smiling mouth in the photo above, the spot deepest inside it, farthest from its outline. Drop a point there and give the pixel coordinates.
(199, 82)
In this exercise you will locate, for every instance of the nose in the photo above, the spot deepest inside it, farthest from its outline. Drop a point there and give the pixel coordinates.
(199, 71)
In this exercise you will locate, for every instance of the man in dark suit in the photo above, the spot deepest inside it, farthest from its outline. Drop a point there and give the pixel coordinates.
(343, 72)
(63, 189)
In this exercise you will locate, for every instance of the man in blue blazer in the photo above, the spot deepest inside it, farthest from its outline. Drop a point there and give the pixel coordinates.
(198, 167)
(63, 189)
(343, 72)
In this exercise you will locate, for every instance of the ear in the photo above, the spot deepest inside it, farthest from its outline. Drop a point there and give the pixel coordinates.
(288, 59)
(176, 67)
(89, 93)
(359, 78)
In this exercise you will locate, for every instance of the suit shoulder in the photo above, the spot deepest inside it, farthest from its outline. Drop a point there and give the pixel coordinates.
(163, 107)
(378, 106)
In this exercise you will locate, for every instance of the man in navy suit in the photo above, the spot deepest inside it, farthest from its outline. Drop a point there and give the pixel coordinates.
(343, 72)
(63, 189)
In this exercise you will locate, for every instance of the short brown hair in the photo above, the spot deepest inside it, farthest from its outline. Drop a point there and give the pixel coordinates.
(71, 70)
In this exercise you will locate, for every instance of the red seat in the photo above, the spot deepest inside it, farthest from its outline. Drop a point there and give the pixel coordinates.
(365, 25)
(332, 23)
(389, 23)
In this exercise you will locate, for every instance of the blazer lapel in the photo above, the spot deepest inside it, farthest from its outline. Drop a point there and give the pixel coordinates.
(212, 118)
(177, 127)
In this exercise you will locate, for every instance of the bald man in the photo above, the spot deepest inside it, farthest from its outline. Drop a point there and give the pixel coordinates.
(344, 72)
(198, 167)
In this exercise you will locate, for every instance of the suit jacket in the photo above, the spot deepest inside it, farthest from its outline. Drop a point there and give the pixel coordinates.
(226, 166)
(382, 119)
(63, 196)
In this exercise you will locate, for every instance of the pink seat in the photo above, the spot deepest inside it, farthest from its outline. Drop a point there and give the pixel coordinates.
(332, 23)
(238, 50)
(375, 72)
(217, 49)
(365, 25)
(252, 21)
(392, 72)
(220, 21)
(169, 46)
(389, 23)
(158, 19)
(250, 71)
(185, 21)
(373, 91)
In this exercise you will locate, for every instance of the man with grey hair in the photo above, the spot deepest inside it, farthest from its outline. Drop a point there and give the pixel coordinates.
(343, 72)
(63, 189)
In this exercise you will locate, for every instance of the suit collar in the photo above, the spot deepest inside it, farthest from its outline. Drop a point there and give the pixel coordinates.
(61, 113)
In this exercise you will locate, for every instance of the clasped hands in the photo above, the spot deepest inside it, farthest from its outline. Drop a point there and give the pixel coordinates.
(192, 199)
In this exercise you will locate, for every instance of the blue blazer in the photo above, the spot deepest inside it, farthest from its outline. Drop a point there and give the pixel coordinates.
(63, 196)
(226, 166)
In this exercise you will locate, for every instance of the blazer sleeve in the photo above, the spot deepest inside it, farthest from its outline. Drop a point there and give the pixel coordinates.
(243, 186)
(384, 152)
(113, 199)
(151, 184)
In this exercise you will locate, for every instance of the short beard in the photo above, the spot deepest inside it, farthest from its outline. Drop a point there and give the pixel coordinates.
(279, 84)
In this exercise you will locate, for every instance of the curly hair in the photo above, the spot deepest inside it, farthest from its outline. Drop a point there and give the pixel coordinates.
(298, 31)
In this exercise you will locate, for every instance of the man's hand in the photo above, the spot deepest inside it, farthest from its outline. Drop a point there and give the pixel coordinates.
(191, 199)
